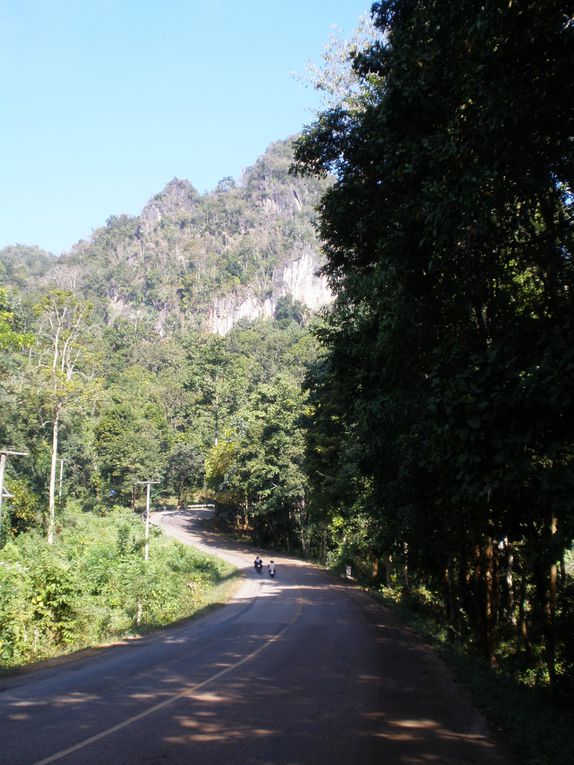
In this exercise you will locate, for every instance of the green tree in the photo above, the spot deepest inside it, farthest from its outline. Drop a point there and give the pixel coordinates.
(267, 462)
(218, 379)
(449, 237)
(11, 335)
(185, 468)
(132, 437)
(58, 356)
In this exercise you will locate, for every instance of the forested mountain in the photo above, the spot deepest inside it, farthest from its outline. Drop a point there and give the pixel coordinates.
(24, 267)
(111, 374)
(170, 346)
(195, 260)
(422, 430)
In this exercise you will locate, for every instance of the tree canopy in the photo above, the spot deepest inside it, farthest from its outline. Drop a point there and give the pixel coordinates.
(449, 238)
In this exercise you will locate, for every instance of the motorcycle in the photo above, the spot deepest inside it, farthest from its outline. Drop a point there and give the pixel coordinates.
(258, 566)
(271, 570)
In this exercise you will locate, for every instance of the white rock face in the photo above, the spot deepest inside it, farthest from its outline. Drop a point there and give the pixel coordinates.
(298, 278)
(228, 310)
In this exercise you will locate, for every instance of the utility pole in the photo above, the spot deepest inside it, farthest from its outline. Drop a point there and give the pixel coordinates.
(148, 484)
(4, 454)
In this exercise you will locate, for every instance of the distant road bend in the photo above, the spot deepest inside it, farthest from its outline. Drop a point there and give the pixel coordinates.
(299, 670)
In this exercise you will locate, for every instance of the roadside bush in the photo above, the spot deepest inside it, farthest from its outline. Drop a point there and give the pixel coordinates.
(93, 585)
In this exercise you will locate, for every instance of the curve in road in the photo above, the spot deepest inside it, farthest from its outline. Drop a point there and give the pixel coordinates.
(298, 670)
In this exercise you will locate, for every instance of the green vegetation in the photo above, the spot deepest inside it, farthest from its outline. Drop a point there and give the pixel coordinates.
(161, 411)
(443, 439)
(108, 380)
(22, 266)
(422, 431)
(115, 376)
(92, 585)
(10, 336)
(98, 409)
(440, 449)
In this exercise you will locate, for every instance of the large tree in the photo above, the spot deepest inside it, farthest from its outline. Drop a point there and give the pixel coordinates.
(258, 467)
(60, 371)
(449, 239)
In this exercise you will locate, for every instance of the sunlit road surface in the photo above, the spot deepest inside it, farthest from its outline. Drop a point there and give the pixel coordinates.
(299, 670)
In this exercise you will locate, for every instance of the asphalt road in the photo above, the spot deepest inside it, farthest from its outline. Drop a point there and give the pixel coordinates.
(299, 670)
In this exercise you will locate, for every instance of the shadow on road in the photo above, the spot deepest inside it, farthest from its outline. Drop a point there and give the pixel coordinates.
(302, 670)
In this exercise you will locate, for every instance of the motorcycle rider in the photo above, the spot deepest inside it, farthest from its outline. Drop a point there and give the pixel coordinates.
(258, 563)
(271, 568)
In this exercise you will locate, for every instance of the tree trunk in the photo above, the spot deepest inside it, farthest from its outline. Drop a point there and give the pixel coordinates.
(490, 600)
(449, 596)
(52, 488)
(550, 629)
(246, 512)
(388, 569)
(543, 584)
(485, 597)
(551, 607)
(478, 593)
(464, 587)
(546, 579)
(405, 566)
(510, 598)
(522, 634)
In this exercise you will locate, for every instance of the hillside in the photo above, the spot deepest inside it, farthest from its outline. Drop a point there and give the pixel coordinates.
(192, 260)
(22, 266)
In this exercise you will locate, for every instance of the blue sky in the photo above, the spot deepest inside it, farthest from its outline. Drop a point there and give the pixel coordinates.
(104, 101)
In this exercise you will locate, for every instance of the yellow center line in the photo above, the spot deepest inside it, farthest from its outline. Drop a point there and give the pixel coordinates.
(162, 704)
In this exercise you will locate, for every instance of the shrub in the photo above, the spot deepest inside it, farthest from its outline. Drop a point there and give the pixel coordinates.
(93, 585)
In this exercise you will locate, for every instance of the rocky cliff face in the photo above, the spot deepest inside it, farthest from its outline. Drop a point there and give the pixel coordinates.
(300, 279)
(297, 278)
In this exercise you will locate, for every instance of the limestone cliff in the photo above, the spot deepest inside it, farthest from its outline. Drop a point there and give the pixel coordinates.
(298, 278)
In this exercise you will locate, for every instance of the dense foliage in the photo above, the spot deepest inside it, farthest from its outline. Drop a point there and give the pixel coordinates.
(94, 585)
(165, 411)
(422, 433)
(442, 441)
(98, 410)
(108, 377)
